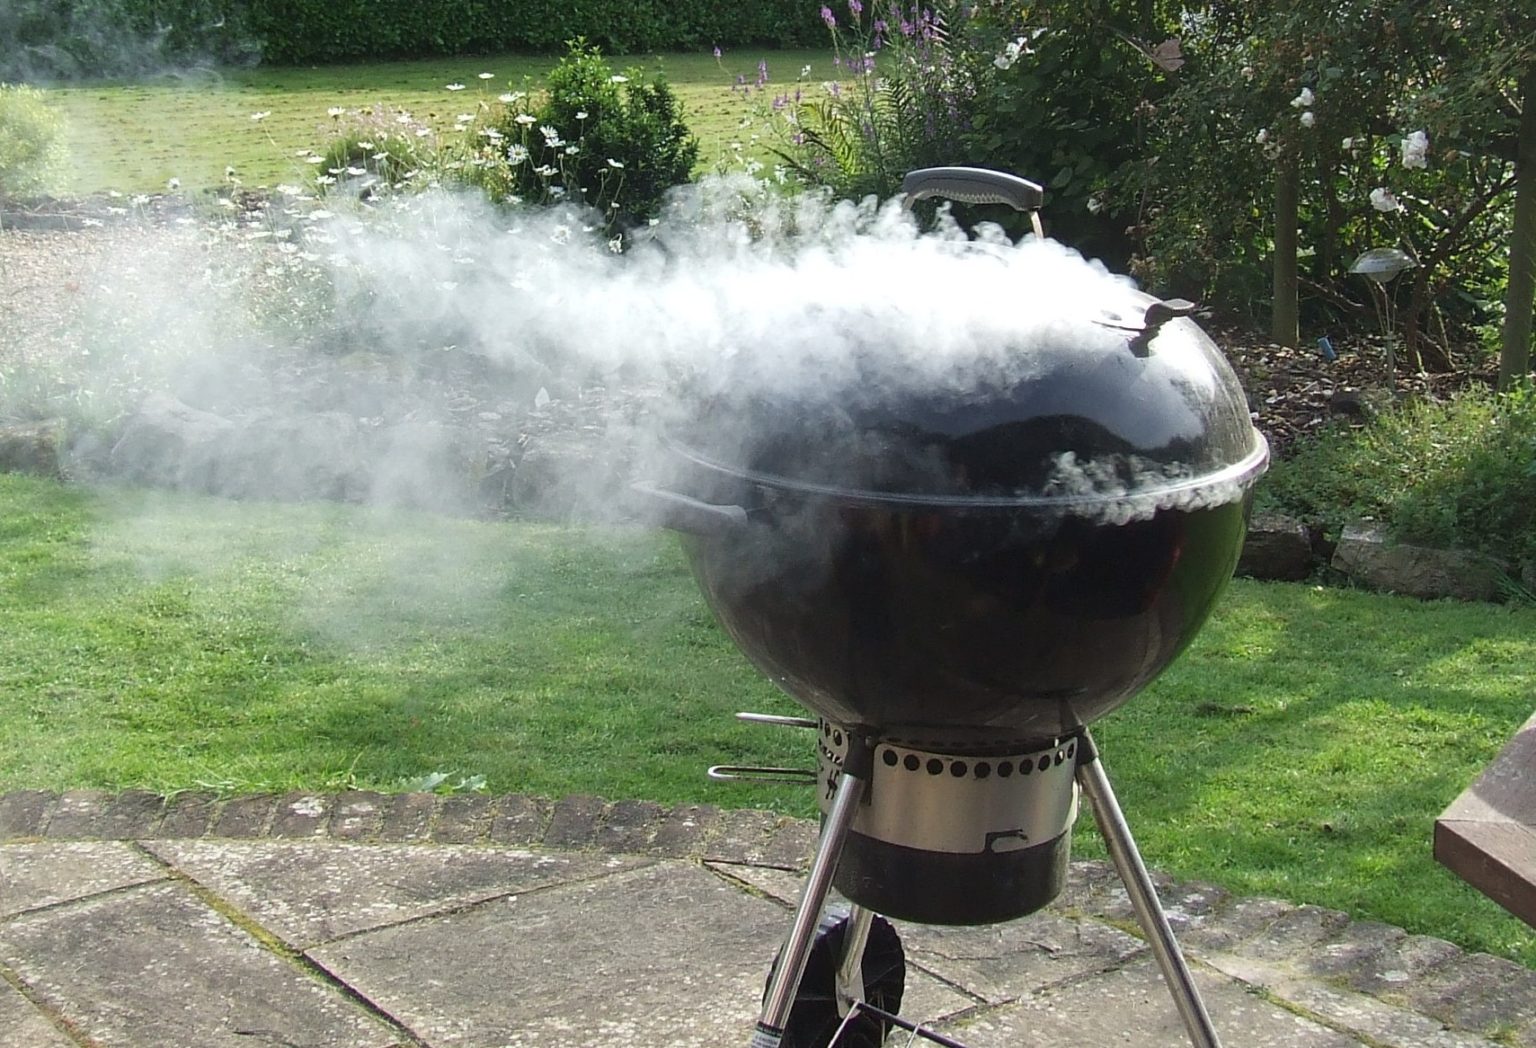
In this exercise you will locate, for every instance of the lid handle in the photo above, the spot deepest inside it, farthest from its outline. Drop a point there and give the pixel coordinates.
(1158, 314)
(972, 185)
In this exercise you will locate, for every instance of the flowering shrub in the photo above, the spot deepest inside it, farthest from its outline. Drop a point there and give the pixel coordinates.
(1390, 129)
(909, 75)
(377, 150)
(30, 149)
(1070, 104)
(594, 136)
(1051, 91)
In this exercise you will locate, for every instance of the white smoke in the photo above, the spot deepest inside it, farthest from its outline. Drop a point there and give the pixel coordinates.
(794, 285)
(799, 297)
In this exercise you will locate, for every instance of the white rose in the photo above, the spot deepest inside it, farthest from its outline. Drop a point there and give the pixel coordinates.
(1383, 200)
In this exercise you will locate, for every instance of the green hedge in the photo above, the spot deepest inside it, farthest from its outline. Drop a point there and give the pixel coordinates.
(55, 40)
(296, 31)
(94, 38)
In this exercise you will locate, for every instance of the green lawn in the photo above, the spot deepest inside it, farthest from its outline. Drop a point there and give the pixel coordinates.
(135, 137)
(1302, 748)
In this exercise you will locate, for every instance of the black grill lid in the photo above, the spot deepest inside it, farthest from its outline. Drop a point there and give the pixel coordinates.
(1104, 409)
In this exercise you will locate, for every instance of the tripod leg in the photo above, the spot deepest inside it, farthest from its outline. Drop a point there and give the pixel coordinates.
(1149, 911)
(785, 980)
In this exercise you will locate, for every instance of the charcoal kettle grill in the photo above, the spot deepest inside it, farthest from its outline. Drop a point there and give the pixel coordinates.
(957, 577)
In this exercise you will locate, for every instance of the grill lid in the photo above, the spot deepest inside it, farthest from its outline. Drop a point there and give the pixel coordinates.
(1123, 403)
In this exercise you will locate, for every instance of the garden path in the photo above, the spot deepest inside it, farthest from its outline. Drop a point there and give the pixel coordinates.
(416, 920)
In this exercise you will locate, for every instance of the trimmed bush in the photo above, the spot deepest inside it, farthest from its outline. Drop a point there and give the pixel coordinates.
(605, 140)
(30, 148)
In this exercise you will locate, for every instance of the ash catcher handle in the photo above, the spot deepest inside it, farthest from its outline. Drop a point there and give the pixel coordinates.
(975, 185)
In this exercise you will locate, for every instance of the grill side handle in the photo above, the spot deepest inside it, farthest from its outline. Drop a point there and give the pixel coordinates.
(972, 185)
(678, 512)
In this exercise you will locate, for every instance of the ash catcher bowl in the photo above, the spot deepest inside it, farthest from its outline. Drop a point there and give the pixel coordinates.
(957, 563)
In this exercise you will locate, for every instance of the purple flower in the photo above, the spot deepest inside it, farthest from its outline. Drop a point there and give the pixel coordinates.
(826, 16)
(762, 73)
(717, 52)
(855, 9)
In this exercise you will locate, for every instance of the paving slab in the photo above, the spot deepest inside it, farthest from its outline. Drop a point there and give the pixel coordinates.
(48, 872)
(999, 962)
(311, 892)
(302, 927)
(783, 885)
(993, 962)
(25, 812)
(1131, 1006)
(1379, 1022)
(927, 997)
(154, 967)
(24, 1026)
(670, 955)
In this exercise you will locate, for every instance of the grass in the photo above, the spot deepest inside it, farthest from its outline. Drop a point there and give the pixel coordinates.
(1301, 748)
(136, 136)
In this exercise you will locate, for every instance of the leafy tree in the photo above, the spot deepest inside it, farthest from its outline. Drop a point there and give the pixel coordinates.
(1391, 119)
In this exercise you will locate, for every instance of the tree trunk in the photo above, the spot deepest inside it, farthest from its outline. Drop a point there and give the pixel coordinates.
(1520, 298)
(1283, 318)
(1411, 320)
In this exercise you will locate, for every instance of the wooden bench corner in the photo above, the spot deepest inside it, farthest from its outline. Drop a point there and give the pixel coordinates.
(1487, 837)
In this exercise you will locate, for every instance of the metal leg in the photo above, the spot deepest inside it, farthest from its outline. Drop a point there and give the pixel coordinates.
(1149, 911)
(785, 980)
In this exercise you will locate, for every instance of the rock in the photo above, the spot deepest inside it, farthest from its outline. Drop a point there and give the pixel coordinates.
(1278, 547)
(1351, 404)
(294, 458)
(31, 447)
(170, 444)
(313, 456)
(1368, 557)
(562, 476)
(427, 465)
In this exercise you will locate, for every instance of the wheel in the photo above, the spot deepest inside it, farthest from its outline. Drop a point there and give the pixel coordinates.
(814, 1018)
